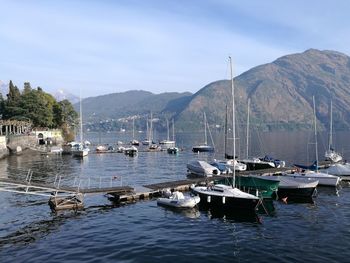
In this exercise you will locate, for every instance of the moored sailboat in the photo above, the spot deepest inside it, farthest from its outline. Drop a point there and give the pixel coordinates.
(204, 147)
(323, 178)
(80, 149)
(172, 149)
(331, 154)
(227, 197)
(134, 141)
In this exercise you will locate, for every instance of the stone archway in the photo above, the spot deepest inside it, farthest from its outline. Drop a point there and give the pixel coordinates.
(41, 139)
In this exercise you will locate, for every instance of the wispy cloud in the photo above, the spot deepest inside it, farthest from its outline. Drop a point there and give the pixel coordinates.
(113, 46)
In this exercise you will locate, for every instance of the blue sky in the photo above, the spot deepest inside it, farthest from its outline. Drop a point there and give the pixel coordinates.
(102, 47)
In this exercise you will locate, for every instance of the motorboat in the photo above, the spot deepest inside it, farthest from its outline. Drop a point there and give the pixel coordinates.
(179, 200)
(202, 169)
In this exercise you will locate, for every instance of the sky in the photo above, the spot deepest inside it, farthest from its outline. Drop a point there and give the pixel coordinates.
(100, 47)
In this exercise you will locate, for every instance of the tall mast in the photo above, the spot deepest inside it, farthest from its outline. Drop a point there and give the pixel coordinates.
(81, 119)
(205, 129)
(173, 131)
(133, 128)
(225, 142)
(331, 128)
(233, 124)
(148, 136)
(167, 124)
(313, 99)
(248, 128)
(151, 130)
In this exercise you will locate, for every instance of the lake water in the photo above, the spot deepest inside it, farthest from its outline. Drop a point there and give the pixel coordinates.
(144, 232)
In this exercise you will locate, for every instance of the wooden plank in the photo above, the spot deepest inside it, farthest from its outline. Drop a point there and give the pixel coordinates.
(121, 189)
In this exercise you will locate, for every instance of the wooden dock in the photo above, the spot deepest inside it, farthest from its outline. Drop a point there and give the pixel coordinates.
(63, 197)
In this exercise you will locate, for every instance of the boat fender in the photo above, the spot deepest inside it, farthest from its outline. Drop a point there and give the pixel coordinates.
(223, 199)
(208, 199)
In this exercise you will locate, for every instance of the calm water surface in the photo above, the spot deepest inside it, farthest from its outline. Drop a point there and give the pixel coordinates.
(145, 232)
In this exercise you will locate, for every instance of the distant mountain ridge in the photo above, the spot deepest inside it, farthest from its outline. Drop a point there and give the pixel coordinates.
(129, 103)
(280, 93)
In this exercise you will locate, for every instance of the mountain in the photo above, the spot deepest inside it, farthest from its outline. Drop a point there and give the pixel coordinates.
(61, 94)
(130, 103)
(280, 93)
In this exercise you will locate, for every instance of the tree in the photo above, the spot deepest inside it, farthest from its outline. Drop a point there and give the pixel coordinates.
(2, 106)
(12, 105)
(14, 95)
(27, 88)
(38, 106)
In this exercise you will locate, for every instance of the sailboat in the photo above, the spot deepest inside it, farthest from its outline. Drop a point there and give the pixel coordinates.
(147, 141)
(251, 184)
(226, 166)
(323, 178)
(256, 163)
(134, 141)
(204, 147)
(168, 142)
(173, 149)
(80, 149)
(227, 197)
(331, 154)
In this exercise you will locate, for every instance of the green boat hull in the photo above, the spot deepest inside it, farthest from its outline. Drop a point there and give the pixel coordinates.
(261, 187)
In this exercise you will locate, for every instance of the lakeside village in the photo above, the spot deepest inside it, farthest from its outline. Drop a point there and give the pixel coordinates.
(230, 185)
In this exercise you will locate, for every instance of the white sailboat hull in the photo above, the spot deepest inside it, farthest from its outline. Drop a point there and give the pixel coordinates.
(323, 178)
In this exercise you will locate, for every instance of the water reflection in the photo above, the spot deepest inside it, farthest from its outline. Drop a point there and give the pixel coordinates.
(234, 216)
(36, 230)
(298, 200)
(189, 213)
(267, 208)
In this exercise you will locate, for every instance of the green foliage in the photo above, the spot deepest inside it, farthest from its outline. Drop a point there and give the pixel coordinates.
(40, 107)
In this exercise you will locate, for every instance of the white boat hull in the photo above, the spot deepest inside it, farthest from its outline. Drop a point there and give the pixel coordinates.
(202, 168)
(178, 200)
(323, 178)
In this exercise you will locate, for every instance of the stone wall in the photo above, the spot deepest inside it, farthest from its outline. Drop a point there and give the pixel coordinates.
(18, 143)
(3, 149)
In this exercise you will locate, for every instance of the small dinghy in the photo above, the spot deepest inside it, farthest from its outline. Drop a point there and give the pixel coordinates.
(178, 200)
